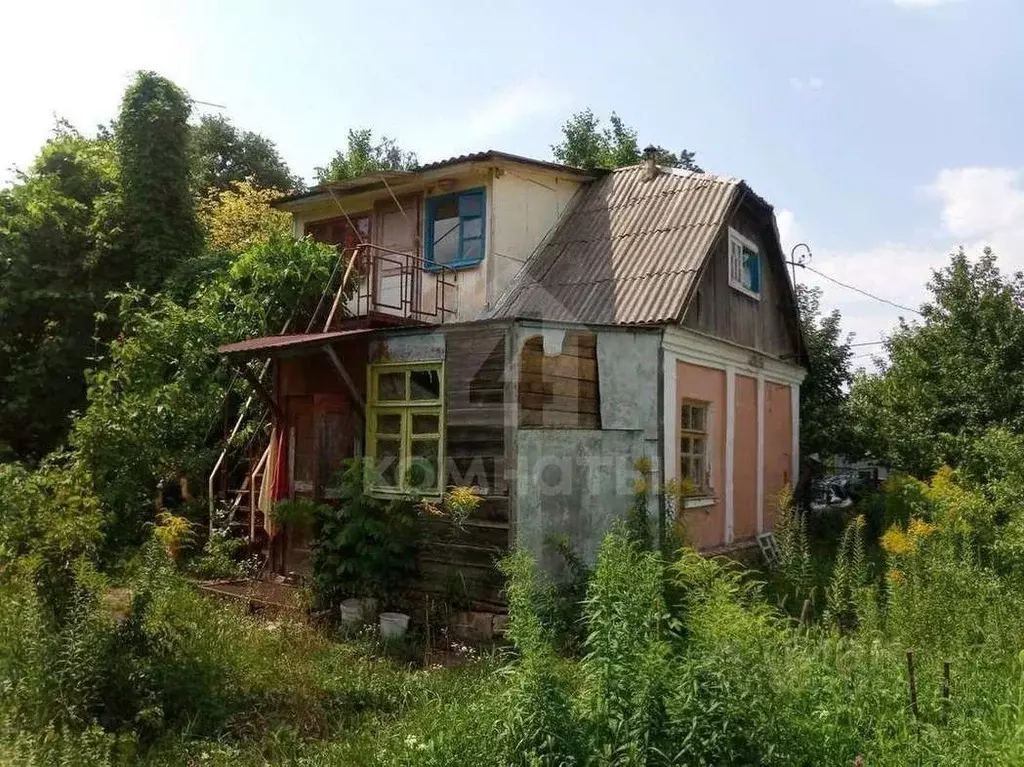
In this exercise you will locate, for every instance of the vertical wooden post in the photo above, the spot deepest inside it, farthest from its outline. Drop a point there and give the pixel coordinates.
(913, 682)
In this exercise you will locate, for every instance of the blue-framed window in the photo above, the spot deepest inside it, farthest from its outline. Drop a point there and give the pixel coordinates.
(455, 228)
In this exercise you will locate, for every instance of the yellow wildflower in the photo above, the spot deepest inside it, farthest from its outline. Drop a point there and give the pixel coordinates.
(921, 529)
(640, 486)
(895, 542)
(894, 576)
(642, 465)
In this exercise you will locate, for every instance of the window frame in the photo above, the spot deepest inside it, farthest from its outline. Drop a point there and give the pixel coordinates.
(705, 489)
(736, 267)
(406, 409)
(460, 262)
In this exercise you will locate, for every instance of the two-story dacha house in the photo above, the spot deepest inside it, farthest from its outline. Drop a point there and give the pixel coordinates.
(533, 329)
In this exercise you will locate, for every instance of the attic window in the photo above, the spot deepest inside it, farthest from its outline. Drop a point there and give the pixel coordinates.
(744, 265)
(455, 229)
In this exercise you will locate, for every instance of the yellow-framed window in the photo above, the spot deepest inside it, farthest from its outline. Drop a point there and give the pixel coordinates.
(405, 427)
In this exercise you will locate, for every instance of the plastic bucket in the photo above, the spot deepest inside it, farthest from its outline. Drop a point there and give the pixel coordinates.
(393, 625)
(351, 612)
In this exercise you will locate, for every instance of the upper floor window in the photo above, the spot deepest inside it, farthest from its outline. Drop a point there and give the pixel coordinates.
(455, 228)
(744, 265)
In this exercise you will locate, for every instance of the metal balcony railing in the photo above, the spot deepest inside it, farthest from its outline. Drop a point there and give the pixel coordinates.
(388, 284)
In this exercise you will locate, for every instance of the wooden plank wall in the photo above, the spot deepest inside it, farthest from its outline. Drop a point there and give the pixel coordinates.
(724, 312)
(459, 566)
(560, 391)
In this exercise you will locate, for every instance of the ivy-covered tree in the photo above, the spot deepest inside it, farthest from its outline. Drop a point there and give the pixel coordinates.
(364, 155)
(951, 376)
(152, 149)
(587, 144)
(221, 155)
(59, 258)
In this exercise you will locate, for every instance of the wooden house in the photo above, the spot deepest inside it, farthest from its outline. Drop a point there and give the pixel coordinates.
(532, 329)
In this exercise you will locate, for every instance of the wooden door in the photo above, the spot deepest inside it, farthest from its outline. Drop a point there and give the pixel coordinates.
(396, 286)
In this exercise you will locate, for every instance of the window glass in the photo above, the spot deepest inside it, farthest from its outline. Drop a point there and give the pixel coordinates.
(472, 227)
(425, 385)
(425, 424)
(693, 445)
(391, 386)
(471, 205)
(423, 464)
(389, 423)
(455, 228)
(472, 250)
(388, 453)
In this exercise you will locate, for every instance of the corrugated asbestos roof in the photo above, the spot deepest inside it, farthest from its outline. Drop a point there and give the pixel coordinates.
(270, 344)
(628, 253)
(374, 179)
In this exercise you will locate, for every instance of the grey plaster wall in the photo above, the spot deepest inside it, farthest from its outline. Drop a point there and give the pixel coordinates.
(576, 482)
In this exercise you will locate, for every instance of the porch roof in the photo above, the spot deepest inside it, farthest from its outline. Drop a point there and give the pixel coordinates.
(270, 345)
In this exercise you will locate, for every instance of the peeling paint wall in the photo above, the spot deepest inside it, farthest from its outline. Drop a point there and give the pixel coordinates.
(576, 482)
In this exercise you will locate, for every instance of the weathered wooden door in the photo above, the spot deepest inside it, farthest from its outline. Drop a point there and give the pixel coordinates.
(397, 231)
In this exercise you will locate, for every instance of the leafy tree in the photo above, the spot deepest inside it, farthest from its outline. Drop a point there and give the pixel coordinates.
(151, 408)
(59, 228)
(824, 425)
(240, 215)
(951, 376)
(221, 155)
(364, 156)
(152, 149)
(588, 145)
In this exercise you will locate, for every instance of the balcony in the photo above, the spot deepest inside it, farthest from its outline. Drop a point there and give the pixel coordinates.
(383, 286)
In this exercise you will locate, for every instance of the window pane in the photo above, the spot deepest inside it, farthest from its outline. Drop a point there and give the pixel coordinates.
(472, 227)
(388, 451)
(471, 205)
(684, 446)
(425, 424)
(472, 250)
(698, 446)
(390, 386)
(425, 384)
(686, 417)
(423, 465)
(685, 469)
(445, 231)
(697, 418)
(389, 423)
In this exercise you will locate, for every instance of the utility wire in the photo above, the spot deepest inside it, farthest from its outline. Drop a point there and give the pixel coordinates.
(858, 290)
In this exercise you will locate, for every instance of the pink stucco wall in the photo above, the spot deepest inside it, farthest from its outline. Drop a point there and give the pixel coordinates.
(744, 498)
(778, 445)
(706, 525)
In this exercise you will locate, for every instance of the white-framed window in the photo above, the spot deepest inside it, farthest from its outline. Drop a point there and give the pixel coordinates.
(694, 453)
(744, 265)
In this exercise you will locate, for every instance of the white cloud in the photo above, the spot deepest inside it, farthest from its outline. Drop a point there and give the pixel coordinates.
(806, 83)
(977, 207)
(497, 115)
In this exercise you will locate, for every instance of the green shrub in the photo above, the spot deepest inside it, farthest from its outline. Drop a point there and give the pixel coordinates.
(363, 546)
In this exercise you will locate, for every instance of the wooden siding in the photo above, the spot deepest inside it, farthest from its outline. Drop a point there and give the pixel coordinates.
(560, 390)
(459, 566)
(720, 310)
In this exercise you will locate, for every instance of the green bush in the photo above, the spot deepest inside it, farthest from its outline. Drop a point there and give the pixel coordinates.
(363, 546)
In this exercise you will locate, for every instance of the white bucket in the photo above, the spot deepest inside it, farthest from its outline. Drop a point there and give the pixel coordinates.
(351, 612)
(393, 625)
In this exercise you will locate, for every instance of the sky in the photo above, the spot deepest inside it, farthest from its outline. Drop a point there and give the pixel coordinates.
(886, 133)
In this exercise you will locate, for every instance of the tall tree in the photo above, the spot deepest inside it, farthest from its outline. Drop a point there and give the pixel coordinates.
(222, 155)
(364, 155)
(152, 148)
(587, 144)
(58, 260)
(824, 425)
(952, 375)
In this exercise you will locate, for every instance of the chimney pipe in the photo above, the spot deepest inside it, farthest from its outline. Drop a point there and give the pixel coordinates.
(650, 162)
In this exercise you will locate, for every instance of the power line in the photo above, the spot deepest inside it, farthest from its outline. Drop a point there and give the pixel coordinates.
(869, 343)
(862, 292)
